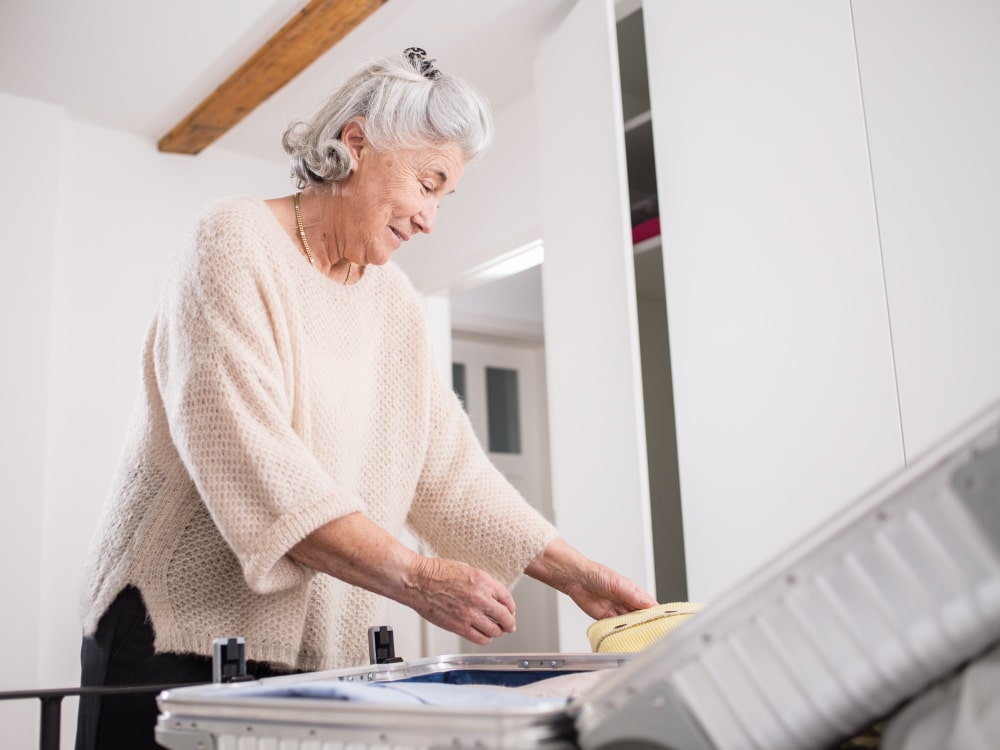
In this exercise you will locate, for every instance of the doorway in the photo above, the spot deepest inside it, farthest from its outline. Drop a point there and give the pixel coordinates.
(498, 356)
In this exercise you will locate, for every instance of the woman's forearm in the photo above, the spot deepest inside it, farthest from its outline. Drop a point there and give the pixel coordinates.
(558, 565)
(360, 552)
(596, 589)
(450, 594)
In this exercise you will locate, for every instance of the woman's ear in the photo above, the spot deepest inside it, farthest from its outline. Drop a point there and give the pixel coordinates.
(353, 136)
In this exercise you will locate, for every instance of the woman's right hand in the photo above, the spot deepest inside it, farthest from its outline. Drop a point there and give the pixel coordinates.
(457, 597)
(452, 595)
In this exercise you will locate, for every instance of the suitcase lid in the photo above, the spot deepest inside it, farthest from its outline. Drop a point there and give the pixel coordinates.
(890, 594)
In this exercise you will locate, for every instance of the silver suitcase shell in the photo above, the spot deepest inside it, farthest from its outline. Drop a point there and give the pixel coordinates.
(891, 595)
(227, 717)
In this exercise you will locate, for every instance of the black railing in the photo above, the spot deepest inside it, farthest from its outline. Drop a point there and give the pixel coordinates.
(51, 716)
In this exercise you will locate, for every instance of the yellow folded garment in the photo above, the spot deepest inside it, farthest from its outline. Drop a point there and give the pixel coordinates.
(637, 630)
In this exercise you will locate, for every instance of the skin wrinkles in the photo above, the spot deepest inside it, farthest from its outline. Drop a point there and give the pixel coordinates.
(390, 197)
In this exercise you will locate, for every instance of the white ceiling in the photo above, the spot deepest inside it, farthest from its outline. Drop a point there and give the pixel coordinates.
(141, 66)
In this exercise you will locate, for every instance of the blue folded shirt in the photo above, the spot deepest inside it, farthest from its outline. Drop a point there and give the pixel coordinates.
(403, 693)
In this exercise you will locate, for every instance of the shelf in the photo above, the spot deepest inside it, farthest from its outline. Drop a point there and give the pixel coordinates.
(638, 126)
(650, 243)
(639, 120)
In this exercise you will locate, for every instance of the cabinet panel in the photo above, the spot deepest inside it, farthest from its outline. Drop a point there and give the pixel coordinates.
(783, 375)
(930, 73)
(600, 485)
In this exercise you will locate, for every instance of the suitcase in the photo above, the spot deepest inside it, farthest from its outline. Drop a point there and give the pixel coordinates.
(891, 595)
(237, 716)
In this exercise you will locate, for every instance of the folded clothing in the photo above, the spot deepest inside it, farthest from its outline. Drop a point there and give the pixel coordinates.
(551, 692)
(639, 630)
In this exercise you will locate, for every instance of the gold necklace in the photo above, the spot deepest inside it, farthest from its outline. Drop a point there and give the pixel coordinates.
(305, 242)
(302, 229)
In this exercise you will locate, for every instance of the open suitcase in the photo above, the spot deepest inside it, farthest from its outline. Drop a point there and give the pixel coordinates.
(887, 598)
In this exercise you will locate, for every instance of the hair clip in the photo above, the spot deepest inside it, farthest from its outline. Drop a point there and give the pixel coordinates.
(418, 59)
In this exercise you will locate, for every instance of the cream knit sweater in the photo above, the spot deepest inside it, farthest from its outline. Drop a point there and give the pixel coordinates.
(274, 400)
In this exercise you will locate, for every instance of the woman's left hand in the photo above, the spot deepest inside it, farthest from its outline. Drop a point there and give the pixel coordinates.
(601, 592)
(596, 589)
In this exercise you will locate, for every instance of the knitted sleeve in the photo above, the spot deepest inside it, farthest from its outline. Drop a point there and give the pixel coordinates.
(227, 394)
(464, 508)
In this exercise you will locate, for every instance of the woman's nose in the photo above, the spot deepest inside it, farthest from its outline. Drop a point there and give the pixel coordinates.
(427, 217)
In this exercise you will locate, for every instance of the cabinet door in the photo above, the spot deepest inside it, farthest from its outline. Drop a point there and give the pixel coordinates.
(931, 78)
(783, 372)
(600, 486)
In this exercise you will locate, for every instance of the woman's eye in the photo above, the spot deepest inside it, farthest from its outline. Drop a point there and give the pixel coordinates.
(427, 187)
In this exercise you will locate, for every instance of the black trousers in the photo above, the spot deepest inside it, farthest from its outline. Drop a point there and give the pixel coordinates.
(121, 653)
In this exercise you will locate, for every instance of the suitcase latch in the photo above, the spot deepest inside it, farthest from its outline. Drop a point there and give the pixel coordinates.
(229, 660)
(381, 647)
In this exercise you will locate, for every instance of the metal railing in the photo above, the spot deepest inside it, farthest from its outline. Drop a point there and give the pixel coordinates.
(229, 664)
(50, 724)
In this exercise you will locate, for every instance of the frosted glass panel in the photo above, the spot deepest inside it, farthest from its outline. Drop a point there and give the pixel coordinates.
(503, 407)
(458, 381)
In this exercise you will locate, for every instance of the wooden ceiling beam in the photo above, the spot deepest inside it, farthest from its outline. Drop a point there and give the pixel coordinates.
(314, 30)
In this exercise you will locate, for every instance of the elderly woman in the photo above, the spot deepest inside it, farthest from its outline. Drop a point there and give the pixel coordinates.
(291, 423)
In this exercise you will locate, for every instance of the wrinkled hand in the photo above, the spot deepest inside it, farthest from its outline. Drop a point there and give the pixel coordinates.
(450, 594)
(465, 600)
(601, 592)
(597, 589)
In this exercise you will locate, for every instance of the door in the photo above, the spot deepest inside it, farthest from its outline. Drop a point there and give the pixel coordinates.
(600, 480)
(502, 385)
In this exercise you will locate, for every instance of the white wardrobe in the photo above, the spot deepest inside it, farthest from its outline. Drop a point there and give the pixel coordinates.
(827, 178)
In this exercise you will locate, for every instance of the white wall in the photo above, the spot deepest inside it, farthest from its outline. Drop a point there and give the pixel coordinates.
(86, 251)
(832, 311)
(507, 306)
(28, 180)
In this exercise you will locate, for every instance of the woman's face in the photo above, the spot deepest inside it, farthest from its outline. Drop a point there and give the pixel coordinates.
(391, 196)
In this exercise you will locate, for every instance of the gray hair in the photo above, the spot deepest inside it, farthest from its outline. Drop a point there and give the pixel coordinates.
(406, 103)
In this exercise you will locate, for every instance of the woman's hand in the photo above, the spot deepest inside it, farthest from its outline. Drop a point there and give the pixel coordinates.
(601, 592)
(457, 597)
(596, 589)
(452, 595)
